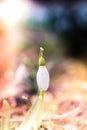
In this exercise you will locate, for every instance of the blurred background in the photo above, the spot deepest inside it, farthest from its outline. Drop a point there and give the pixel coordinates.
(60, 26)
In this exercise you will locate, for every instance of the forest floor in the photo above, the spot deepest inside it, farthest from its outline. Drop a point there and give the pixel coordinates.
(65, 102)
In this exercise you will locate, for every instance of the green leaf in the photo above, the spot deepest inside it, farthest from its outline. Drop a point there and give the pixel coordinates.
(5, 123)
(33, 117)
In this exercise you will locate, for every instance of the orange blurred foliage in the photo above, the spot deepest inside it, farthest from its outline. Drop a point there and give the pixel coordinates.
(7, 50)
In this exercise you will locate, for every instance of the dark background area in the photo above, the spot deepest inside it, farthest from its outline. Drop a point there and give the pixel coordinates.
(68, 19)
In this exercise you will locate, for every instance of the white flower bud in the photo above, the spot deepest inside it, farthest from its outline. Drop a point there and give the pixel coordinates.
(42, 78)
(21, 74)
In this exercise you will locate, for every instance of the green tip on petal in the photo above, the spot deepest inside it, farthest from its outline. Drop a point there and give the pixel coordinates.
(41, 59)
(41, 51)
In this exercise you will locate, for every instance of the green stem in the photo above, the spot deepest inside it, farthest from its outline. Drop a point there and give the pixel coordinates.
(33, 117)
(41, 59)
(41, 93)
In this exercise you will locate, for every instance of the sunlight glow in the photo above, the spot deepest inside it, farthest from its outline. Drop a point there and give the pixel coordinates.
(12, 11)
(12, 14)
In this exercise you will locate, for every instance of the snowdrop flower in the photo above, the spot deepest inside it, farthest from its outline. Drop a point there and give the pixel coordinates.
(42, 73)
(21, 74)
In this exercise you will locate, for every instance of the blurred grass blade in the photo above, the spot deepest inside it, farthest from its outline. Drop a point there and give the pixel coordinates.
(33, 117)
(73, 112)
(5, 124)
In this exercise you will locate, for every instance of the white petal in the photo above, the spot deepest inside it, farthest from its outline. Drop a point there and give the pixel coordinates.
(21, 74)
(42, 78)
